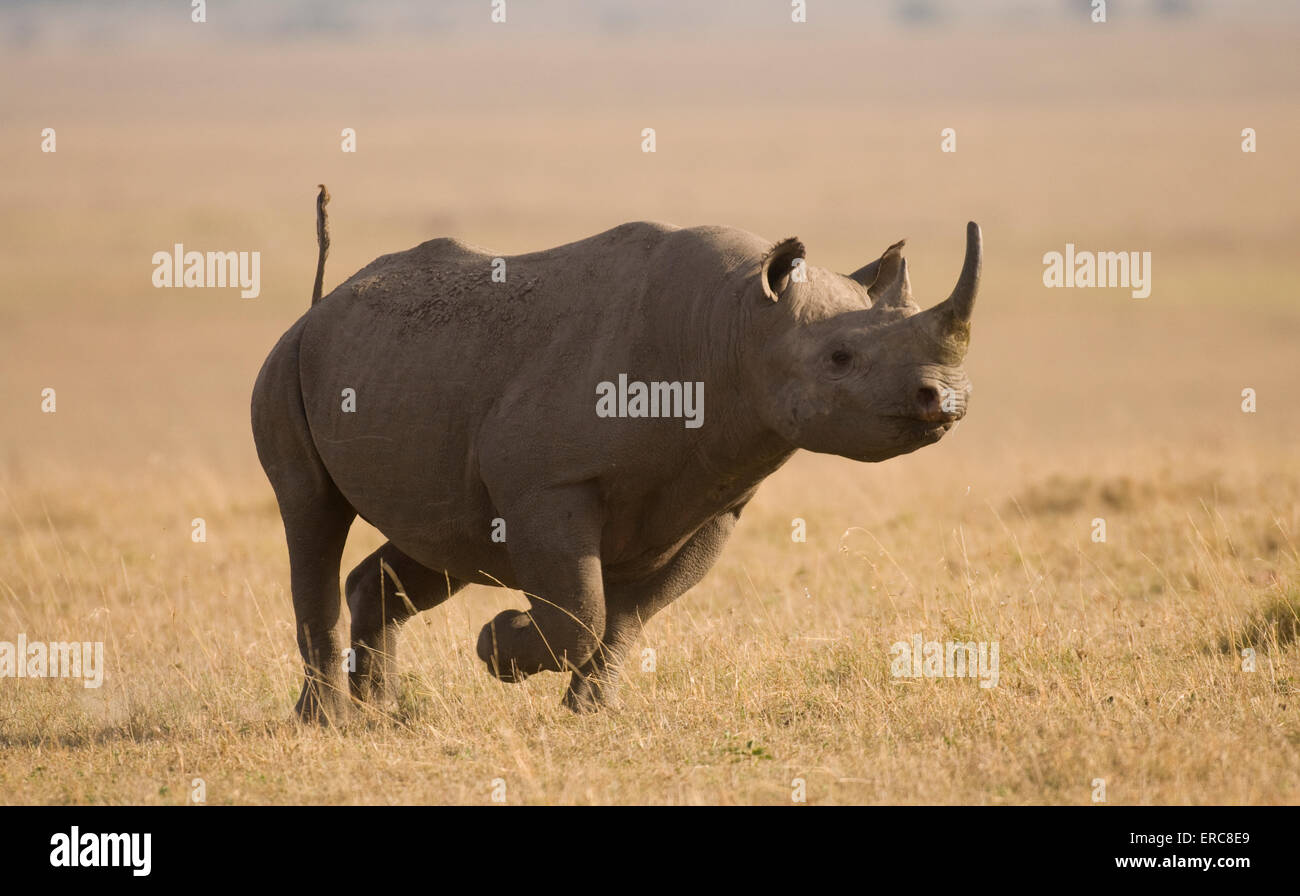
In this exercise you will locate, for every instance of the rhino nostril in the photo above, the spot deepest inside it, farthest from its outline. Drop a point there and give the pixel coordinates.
(927, 402)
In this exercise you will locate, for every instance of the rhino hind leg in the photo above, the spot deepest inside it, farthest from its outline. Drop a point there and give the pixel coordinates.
(315, 551)
(629, 607)
(316, 521)
(384, 590)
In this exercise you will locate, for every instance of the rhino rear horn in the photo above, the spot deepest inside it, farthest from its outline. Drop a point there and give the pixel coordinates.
(886, 278)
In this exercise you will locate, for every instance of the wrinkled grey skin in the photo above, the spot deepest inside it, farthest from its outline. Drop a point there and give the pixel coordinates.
(476, 400)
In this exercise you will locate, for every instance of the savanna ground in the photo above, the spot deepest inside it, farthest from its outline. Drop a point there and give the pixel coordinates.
(1119, 660)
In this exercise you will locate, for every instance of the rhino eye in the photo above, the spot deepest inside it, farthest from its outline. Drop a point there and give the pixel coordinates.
(841, 358)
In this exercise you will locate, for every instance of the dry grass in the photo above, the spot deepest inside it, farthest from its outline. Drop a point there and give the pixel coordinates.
(1119, 661)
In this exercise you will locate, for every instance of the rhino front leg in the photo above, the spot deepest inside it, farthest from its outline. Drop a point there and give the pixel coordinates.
(384, 590)
(595, 683)
(554, 544)
(630, 606)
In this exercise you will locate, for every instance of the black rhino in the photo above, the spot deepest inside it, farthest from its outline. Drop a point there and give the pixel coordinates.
(474, 413)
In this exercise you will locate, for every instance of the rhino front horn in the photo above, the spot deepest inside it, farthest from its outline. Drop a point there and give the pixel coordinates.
(948, 323)
(962, 301)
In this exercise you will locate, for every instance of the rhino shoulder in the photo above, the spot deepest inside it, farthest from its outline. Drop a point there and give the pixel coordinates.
(643, 235)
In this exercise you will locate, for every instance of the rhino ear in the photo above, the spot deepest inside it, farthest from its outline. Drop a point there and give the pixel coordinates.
(886, 278)
(778, 268)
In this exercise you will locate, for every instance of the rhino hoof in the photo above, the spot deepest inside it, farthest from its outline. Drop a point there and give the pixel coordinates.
(490, 647)
(581, 702)
(314, 709)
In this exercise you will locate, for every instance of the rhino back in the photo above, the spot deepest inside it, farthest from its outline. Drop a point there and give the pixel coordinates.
(432, 348)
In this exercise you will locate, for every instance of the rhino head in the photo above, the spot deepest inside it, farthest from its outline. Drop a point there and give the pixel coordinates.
(864, 372)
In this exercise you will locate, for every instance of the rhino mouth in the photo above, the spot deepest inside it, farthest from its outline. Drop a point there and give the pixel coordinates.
(925, 431)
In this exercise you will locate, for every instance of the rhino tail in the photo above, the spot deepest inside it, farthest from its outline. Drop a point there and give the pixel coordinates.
(322, 240)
